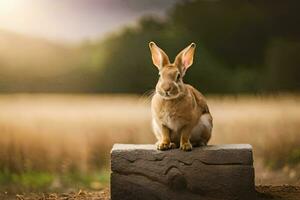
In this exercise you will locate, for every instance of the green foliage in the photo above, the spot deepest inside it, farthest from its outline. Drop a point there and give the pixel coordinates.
(294, 157)
(28, 180)
(290, 158)
(282, 61)
(45, 181)
(237, 49)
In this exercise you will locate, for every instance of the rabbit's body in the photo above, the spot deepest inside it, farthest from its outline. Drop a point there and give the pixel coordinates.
(190, 110)
(180, 115)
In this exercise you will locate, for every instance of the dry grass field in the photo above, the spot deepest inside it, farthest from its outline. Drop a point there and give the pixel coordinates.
(54, 141)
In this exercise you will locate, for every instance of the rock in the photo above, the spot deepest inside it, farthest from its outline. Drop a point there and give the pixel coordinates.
(211, 172)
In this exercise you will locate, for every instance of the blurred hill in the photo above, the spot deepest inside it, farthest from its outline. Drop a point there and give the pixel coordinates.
(29, 64)
(242, 47)
(18, 52)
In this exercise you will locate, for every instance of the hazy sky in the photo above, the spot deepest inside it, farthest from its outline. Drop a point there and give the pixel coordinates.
(74, 20)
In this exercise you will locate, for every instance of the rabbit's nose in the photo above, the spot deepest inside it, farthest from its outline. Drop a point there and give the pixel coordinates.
(167, 89)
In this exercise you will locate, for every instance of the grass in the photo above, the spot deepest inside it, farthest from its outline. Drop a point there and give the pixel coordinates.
(63, 141)
(47, 181)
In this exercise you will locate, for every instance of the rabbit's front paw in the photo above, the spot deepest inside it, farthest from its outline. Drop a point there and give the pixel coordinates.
(163, 146)
(186, 146)
(172, 145)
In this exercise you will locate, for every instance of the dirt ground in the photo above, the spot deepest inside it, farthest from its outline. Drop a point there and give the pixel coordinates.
(80, 195)
(284, 192)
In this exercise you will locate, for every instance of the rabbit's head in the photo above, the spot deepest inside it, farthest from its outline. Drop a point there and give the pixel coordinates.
(170, 84)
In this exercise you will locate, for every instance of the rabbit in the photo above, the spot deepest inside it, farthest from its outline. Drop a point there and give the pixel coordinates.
(180, 115)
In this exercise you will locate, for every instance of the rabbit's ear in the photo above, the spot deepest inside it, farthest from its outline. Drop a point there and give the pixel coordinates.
(185, 58)
(159, 57)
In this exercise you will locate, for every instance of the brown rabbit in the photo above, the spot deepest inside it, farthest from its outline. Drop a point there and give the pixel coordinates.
(180, 115)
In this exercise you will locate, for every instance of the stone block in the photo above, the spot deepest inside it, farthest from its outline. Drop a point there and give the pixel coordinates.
(210, 172)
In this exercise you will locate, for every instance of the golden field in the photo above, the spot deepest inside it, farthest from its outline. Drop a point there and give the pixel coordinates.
(46, 136)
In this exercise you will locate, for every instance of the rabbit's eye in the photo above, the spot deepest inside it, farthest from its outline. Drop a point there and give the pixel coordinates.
(177, 77)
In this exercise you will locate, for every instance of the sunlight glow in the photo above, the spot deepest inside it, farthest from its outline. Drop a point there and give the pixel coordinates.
(68, 20)
(9, 6)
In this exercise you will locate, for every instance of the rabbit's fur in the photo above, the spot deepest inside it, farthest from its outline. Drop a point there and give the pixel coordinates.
(180, 115)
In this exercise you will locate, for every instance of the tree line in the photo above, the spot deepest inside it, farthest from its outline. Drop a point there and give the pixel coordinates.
(242, 47)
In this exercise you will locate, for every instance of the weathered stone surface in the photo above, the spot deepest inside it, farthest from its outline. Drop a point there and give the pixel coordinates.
(211, 172)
